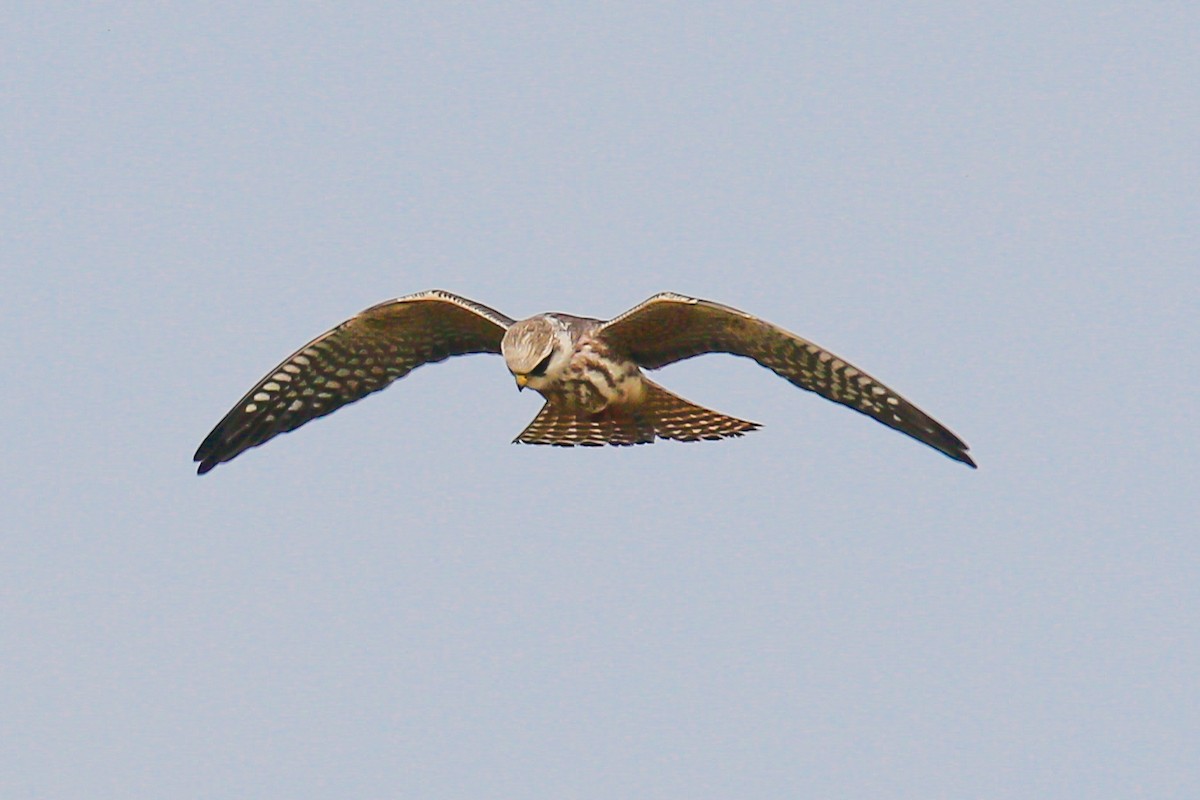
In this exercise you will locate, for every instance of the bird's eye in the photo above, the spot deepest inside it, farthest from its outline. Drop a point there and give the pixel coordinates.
(542, 366)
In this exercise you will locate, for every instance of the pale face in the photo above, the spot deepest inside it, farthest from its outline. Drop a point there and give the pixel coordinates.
(536, 351)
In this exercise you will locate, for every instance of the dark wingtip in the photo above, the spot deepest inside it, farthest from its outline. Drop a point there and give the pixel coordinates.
(204, 456)
(946, 443)
(964, 458)
(207, 454)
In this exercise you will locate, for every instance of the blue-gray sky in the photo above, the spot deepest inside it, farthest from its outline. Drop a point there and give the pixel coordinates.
(995, 210)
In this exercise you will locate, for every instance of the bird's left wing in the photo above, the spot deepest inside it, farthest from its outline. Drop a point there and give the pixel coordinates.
(362, 355)
(671, 327)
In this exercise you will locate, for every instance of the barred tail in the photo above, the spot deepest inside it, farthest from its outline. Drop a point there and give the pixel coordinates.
(659, 414)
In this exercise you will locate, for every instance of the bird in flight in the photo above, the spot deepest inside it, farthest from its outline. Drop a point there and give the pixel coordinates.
(589, 371)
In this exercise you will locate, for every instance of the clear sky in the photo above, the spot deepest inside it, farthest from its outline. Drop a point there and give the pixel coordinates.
(994, 209)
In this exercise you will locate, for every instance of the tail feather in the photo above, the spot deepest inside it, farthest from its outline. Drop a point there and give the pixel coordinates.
(660, 414)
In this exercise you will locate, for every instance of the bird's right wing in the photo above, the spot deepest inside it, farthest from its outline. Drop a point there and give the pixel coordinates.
(671, 327)
(362, 355)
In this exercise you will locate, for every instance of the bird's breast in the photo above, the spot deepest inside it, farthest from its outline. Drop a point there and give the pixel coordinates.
(596, 378)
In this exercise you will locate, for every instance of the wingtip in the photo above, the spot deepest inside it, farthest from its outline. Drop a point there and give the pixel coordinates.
(205, 460)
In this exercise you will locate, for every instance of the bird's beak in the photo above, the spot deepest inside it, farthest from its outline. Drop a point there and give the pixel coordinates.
(522, 380)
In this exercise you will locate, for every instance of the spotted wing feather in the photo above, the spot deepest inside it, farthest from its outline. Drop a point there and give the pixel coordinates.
(364, 354)
(671, 327)
(659, 414)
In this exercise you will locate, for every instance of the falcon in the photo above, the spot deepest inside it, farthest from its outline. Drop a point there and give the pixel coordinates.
(589, 371)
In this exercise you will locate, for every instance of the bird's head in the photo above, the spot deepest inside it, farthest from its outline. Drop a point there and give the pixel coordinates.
(533, 352)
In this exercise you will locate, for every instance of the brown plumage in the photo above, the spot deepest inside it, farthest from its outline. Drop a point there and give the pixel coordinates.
(660, 414)
(589, 371)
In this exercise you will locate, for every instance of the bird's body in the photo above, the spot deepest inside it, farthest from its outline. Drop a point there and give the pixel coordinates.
(595, 393)
(589, 371)
(583, 371)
